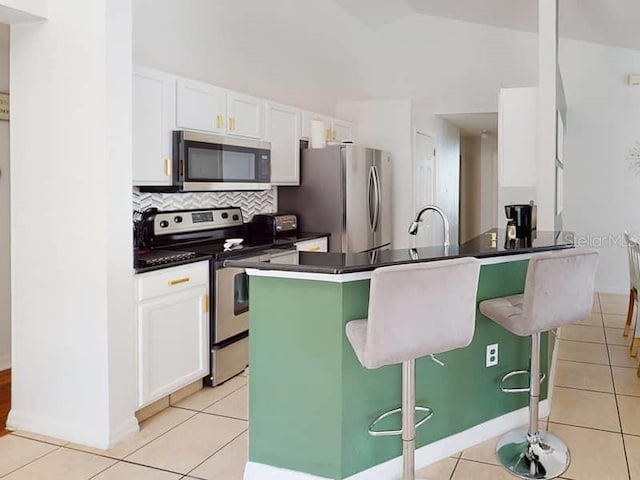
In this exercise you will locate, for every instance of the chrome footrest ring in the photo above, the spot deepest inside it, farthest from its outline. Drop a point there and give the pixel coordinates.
(385, 433)
(517, 389)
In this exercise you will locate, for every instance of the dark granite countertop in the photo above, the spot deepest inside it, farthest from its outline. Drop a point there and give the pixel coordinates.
(482, 246)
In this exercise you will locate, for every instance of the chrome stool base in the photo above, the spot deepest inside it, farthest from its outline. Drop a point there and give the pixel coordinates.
(539, 456)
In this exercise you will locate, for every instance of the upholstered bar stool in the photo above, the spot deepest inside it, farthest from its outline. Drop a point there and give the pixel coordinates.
(415, 310)
(558, 291)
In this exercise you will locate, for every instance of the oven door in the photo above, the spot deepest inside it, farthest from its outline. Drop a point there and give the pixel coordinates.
(232, 303)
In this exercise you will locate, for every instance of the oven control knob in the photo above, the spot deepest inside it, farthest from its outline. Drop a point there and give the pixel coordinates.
(177, 219)
(235, 217)
(225, 215)
(164, 224)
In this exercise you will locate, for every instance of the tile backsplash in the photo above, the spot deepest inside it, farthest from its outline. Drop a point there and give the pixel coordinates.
(263, 201)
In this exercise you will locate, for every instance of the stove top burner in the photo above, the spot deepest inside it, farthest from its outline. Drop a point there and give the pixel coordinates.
(162, 257)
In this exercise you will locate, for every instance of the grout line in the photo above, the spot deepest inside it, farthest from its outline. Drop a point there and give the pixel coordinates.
(32, 461)
(216, 401)
(558, 422)
(455, 467)
(214, 453)
(588, 389)
(624, 445)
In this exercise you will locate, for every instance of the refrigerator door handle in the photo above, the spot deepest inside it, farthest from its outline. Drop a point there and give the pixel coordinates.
(376, 182)
(370, 201)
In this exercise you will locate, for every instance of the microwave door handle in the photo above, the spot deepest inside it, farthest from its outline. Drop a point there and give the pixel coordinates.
(376, 182)
(370, 187)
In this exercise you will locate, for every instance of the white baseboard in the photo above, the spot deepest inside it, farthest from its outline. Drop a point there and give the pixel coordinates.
(52, 427)
(5, 361)
(424, 456)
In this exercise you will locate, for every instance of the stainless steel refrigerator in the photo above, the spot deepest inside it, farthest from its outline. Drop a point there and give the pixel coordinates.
(344, 190)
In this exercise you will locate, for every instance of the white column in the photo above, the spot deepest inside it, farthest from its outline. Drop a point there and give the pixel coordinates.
(12, 11)
(73, 323)
(546, 131)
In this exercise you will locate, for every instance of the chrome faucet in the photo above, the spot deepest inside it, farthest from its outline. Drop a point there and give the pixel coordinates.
(413, 228)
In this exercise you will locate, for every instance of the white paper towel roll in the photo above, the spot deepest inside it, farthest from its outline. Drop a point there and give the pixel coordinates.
(318, 134)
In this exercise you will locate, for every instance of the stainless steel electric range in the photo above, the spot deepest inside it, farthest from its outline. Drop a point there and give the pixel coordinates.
(173, 237)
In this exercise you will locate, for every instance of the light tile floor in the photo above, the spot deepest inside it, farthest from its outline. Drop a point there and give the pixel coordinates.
(596, 410)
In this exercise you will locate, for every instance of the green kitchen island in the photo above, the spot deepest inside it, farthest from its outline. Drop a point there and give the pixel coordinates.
(310, 400)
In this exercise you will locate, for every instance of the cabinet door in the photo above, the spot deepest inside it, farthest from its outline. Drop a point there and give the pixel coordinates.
(308, 117)
(153, 118)
(246, 116)
(341, 131)
(173, 335)
(283, 131)
(201, 107)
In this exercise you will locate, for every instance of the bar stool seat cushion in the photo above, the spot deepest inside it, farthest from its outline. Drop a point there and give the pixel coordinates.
(558, 291)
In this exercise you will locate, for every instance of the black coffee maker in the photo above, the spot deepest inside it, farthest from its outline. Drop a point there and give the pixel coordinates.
(521, 222)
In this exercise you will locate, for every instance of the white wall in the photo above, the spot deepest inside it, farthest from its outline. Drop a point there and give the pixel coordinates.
(315, 54)
(5, 237)
(490, 217)
(601, 191)
(470, 188)
(73, 326)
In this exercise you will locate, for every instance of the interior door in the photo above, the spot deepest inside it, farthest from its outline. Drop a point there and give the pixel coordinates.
(424, 166)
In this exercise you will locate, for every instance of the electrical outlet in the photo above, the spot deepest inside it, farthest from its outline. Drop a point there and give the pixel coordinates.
(492, 355)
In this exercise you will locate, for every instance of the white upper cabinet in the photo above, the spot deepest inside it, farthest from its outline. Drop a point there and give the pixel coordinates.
(341, 131)
(211, 109)
(153, 120)
(283, 131)
(201, 107)
(308, 118)
(245, 115)
(336, 130)
(517, 109)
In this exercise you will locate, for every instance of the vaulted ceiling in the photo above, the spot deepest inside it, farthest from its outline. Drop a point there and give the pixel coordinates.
(610, 22)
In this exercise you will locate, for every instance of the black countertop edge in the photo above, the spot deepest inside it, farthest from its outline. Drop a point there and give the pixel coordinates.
(479, 247)
(162, 266)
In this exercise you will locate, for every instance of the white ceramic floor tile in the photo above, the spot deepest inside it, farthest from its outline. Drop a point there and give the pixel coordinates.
(596, 306)
(617, 308)
(626, 381)
(584, 409)
(615, 337)
(190, 443)
(128, 471)
(16, 452)
(582, 333)
(632, 446)
(615, 321)
(584, 375)
(150, 429)
(619, 355)
(438, 471)
(484, 452)
(208, 396)
(63, 464)
(235, 405)
(594, 319)
(583, 352)
(614, 298)
(469, 470)
(629, 414)
(595, 455)
(228, 463)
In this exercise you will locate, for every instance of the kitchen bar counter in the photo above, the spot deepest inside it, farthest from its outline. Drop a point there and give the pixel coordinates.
(310, 400)
(482, 246)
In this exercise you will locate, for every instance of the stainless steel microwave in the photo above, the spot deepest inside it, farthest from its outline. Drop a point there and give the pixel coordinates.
(204, 162)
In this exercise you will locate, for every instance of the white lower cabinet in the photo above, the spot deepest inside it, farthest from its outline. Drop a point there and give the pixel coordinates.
(173, 329)
(316, 245)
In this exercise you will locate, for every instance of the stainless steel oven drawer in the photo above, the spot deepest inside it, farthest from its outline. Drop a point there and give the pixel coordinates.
(229, 360)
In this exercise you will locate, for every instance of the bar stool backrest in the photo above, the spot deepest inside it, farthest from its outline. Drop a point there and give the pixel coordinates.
(559, 288)
(420, 309)
(632, 240)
